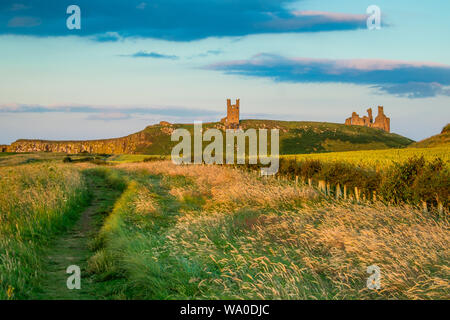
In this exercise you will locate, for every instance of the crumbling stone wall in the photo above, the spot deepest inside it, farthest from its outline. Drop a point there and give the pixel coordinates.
(232, 118)
(381, 121)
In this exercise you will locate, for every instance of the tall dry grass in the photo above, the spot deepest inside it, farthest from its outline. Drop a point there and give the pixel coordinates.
(225, 187)
(264, 239)
(36, 202)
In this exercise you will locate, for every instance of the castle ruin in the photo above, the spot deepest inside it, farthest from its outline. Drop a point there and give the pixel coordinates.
(381, 121)
(231, 121)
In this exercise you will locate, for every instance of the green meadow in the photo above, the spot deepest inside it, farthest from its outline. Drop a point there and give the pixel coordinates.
(149, 229)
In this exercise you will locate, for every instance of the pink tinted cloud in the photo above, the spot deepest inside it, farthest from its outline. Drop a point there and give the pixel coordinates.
(331, 16)
(356, 64)
(370, 64)
(317, 20)
(402, 78)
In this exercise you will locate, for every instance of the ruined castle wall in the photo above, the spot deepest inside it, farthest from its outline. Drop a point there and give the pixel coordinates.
(383, 124)
(381, 121)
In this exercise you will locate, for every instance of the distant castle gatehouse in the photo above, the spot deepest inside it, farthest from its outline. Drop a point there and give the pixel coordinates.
(381, 121)
(231, 121)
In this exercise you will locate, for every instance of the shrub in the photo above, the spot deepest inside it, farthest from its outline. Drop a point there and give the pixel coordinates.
(398, 181)
(154, 158)
(309, 168)
(432, 185)
(288, 167)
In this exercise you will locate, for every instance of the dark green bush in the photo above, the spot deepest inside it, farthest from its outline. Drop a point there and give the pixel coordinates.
(309, 168)
(154, 158)
(412, 181)
(398, 181)
(433, 184)
(289, 167)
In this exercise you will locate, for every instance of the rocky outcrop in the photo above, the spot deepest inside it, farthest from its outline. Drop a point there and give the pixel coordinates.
(128, 145)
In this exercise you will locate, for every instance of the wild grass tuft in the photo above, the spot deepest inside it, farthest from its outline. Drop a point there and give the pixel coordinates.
(37, 202)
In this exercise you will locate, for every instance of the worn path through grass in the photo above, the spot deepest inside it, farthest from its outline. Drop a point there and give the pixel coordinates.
(72, 248)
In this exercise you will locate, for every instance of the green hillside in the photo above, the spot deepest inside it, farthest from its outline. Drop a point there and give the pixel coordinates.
(438, 140)
(296, 137)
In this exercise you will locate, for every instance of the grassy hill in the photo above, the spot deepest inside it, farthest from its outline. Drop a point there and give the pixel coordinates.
(438, 140)
(296, 137)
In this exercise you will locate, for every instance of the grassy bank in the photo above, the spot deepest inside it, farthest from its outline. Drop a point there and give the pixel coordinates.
(37, 202)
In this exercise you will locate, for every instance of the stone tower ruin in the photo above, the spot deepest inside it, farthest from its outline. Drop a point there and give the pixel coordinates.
(381, 121)
(231, 121)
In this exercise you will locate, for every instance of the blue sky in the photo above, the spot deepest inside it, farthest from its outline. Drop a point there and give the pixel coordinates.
(135, 63)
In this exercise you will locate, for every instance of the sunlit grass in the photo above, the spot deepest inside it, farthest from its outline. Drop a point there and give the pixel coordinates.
(378, 158)
(245, 237)
(127, 158)
(36, 202)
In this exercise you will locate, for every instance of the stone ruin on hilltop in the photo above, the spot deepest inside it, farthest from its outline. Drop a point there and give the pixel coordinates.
(381, 121)
(231, 121)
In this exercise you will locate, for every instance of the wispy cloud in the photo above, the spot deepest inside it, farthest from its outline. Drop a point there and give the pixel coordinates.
(206, 54)
(155, 55)
(107, 37)
(110, 116)
(415, 90)
(24, 22)
(111, 113)
(19, 7)
(401, 78)
(106, 114)
(178, 20)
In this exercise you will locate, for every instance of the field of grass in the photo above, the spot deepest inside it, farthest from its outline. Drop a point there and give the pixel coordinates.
(364, 158)
(378, 158)
(15, 159)
(212, 232)
(37, 202)
(207, 232)
(128, 158)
